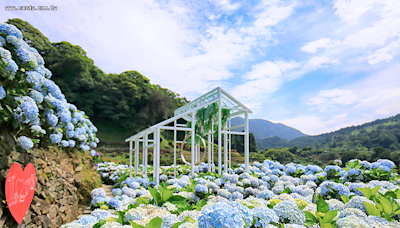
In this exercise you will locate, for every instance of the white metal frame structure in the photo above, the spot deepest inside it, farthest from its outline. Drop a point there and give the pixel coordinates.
(188, 113)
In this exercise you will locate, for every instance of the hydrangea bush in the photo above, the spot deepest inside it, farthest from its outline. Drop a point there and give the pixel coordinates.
(32, 106)
(271, 195)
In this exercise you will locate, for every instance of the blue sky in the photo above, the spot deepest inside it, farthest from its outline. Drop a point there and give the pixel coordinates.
(314, 65)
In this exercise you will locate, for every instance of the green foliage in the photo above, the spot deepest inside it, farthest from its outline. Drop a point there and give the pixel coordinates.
(187, 219)
(154, 223)
(385, 206)
(99, 224)
(238, 143)
(165, 195)
(324, 216)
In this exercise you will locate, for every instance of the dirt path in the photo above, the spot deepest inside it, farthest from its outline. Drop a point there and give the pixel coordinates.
(108, 189)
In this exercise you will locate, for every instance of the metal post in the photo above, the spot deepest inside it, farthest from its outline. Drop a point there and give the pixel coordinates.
(198, 153)
(225, 153)
(193, 140)
(130, 158)
(246, 141)
(158, 156)
(174, 149)
(219, 134)
(212, 143)
(145, 155)
(230, 145)
(209, 152)
(155, 156)
(136, 156)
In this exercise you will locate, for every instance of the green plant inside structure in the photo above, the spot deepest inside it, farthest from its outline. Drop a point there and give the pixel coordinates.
(385, 206)
(205, 117)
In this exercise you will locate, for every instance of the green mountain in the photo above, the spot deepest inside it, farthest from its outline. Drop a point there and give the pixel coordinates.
(262, 129)
(383, 133)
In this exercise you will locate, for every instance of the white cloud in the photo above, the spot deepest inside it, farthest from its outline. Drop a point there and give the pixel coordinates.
(264, 79)
(313, 125)
(384, 54)
(318, 61)
(332, 98)
(271, 14)
(376, 96)
(350, 11)
(313, 46)
(227, 6)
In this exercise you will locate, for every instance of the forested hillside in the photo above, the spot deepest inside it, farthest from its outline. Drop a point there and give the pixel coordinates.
(383, 133)
(118, 104)
(262, 129)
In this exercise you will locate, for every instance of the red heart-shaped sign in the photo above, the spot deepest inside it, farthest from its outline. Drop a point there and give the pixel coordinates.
(20, 188)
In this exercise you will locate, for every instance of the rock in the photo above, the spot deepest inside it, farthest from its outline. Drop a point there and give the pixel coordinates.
(53, 212)
(47, 170)
(27, 218)
(40, 161)
(35, 209)
(78, 178)
(62, 209)
(78, 169)
(45, 220)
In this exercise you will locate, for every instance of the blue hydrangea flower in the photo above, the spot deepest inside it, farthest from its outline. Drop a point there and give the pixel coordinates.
(288, 209)
(290, 169)
(56, 138)
(30, 109)
(354, 172)
(37, 96)
(69, 127)
(87, 220)
(53, 89)
(114, 202)
(222, 215)
(52, 119)
(264, 216)
(64, 143)
(237, 195)
(65, 117)
(92, 153)
(93, 144)
(358, 202)
(201, 189)
(71, 143)
(10, 30)
(265, 194)
(2, 93)
(11, 67)
(17, 43)
(134, 185)
(70, 134)
(25, 142)
(24, 55)
(36, 128)
(2, 41)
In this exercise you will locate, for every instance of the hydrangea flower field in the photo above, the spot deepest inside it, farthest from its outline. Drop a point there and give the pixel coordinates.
(360, 194)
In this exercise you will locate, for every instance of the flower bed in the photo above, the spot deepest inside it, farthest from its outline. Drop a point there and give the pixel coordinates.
(361, 194)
